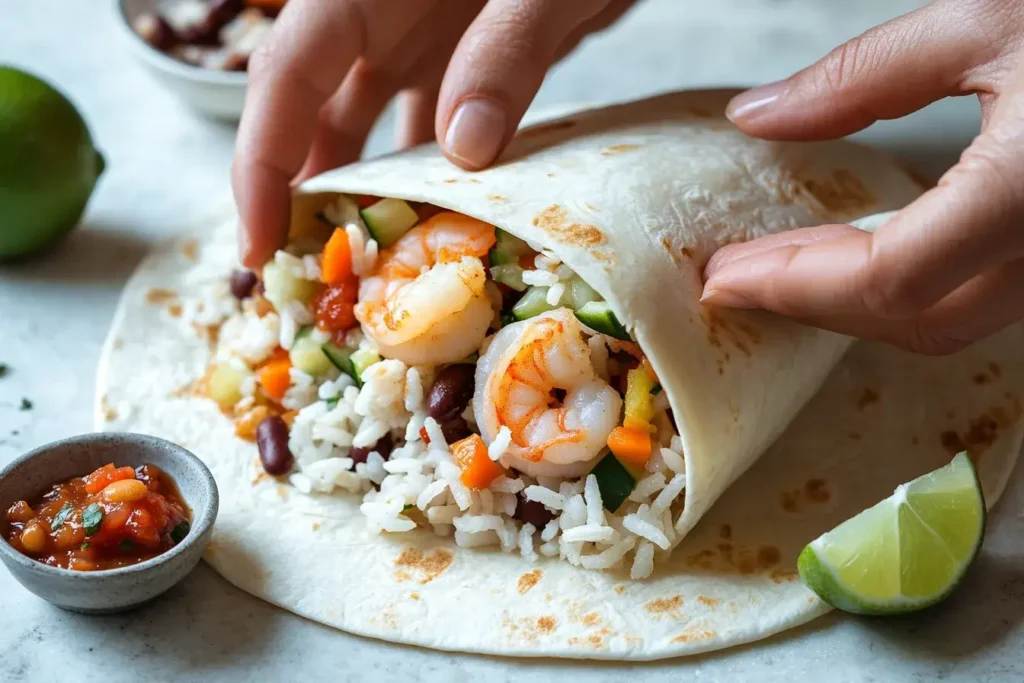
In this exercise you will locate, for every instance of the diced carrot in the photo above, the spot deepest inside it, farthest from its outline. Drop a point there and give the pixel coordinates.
(478, 470)
(274, 377)
(336, 262)
(98, 480)
(631, 446)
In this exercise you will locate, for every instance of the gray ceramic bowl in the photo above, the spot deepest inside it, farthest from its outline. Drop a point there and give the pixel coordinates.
(111, 590)
(217, 94)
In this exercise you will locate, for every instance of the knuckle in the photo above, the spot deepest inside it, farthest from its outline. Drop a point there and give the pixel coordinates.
(889, 297)
(843, 67)
(926, 340)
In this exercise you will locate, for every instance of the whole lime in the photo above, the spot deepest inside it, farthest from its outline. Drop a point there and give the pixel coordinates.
(48, 165)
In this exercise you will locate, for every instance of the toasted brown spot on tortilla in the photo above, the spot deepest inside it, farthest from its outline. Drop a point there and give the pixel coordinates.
(158, 295)
(402, 575)
(914, 440)
(528, 581)
(592, 619)
(430, 565)
(721, 366)
(174, 310)
(554, 220)
(790, 501)
(704, 560)
(725, 531)
(817, 491)
(497, 198)
(542, 128)
(449, 181)
(995, 369)
(981, 378)
(983, 430)
(315, 526)
(700, 112)
(618, 149)
(687, 252)
(546, 624)
(695, 635)
(662, 605)
(550, 175)
(620, 589)
(747, 564)
(710, 603)
(867, 397)
(109, 413)
(951, 442)
(854, 436)
(191, 250)
(768, 556)
(722, 324)
(725, 550)
(784, 576)
(843, 193)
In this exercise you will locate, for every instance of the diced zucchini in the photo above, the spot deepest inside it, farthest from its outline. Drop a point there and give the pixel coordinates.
(306, 355)
(656, 390)
(510, 275)
(225, 384)
(580, 293)
(281, 287)
(388, 219)
(362, 359)
(614, 481)
(507, 249)
(639, 401)
(341, 358)
(598, 316)
(533, 303)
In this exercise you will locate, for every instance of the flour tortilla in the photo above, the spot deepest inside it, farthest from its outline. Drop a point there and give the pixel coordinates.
(634, 198)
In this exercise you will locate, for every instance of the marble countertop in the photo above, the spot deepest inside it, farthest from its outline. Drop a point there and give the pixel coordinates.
(54, 313)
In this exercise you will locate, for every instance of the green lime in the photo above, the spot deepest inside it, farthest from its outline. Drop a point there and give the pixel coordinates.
(906, 553)
(48, 165)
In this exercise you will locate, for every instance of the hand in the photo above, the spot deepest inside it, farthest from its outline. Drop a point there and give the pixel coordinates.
(948, 269)
(465, 70)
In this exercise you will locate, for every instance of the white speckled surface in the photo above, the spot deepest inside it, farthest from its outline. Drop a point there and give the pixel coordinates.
(161, 159)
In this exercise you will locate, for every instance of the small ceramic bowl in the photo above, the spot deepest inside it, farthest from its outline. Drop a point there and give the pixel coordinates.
(111, 590)
(213, 93)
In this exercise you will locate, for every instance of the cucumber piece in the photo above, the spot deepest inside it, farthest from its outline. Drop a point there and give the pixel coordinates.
(341, 358)
(614, 481)
(580, 293)
(307, 355)
(224, 385)
(507, 249)
(533, 303)
(388, 219)
(510, 275)
(598, 316)
(281, 287)
(362, 359)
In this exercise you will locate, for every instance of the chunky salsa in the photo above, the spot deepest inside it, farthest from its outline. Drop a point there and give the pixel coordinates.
(114, 517)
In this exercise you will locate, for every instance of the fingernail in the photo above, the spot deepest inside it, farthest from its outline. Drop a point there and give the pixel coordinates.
(475, 132)
(721, 297)
(751, 104)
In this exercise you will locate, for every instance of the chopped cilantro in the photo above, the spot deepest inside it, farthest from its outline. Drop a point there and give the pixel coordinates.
(84, 546)
(61, 516)
(26, 404)
(92, 516)
(180, 532)
(4, 369)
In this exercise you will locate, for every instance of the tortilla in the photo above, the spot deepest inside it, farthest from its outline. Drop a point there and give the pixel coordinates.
(634, 198)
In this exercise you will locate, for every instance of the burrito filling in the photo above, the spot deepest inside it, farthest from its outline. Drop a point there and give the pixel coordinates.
(458, 379)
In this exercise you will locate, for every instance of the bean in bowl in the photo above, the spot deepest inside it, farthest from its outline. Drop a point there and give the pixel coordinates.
(213, 34)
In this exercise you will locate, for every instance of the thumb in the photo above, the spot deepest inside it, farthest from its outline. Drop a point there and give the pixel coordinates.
(496, 70)
(888, 72)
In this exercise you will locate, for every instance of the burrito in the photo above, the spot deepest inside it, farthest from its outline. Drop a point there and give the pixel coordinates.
(464, 410)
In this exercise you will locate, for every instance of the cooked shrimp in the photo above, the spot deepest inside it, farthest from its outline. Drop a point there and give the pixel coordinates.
(425, 304)
(516, 384)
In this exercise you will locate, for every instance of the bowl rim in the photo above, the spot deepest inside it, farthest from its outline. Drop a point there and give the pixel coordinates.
(167, 63)
(203, 520)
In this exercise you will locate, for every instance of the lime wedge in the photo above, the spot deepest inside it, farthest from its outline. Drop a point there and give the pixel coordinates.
(907, 552)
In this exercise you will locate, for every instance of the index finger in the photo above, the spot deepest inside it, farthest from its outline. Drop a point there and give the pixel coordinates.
(311, 47)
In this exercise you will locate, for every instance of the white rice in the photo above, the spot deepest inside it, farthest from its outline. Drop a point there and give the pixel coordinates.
(539, 278)
(500, 444)
(594, 533)
(673, 460)
(526, 542)
(548, 498)
(436, 436)
(592, 495)
(641, 527)
(555, 293)
(643, 561)
(609, 557)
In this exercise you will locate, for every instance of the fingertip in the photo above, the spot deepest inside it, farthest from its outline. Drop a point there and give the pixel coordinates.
(476, 133)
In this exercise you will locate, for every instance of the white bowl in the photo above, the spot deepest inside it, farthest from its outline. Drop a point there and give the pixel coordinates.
(218, 94)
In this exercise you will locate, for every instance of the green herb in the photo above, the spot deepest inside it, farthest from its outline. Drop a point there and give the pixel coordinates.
(91, 518)
(407, 506)
(507, 319)
(180, 532)
(61, 516)
(84, 546)
(656, 390)
(125, 546)
(332, 402)
(4, 369)
(26, 404)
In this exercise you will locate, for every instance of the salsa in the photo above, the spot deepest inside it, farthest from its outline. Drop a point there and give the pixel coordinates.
(114, 517)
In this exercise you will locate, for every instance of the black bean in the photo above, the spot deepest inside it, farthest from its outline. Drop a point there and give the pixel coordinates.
(223, 11)
(532, 512)
(272, 440)
(455, 429)
(383, 447)
(451, 392)
(242, 283)
(155, 30)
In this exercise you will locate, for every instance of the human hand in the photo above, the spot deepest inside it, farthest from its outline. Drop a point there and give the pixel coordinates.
(948, 269)
(465, 70)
